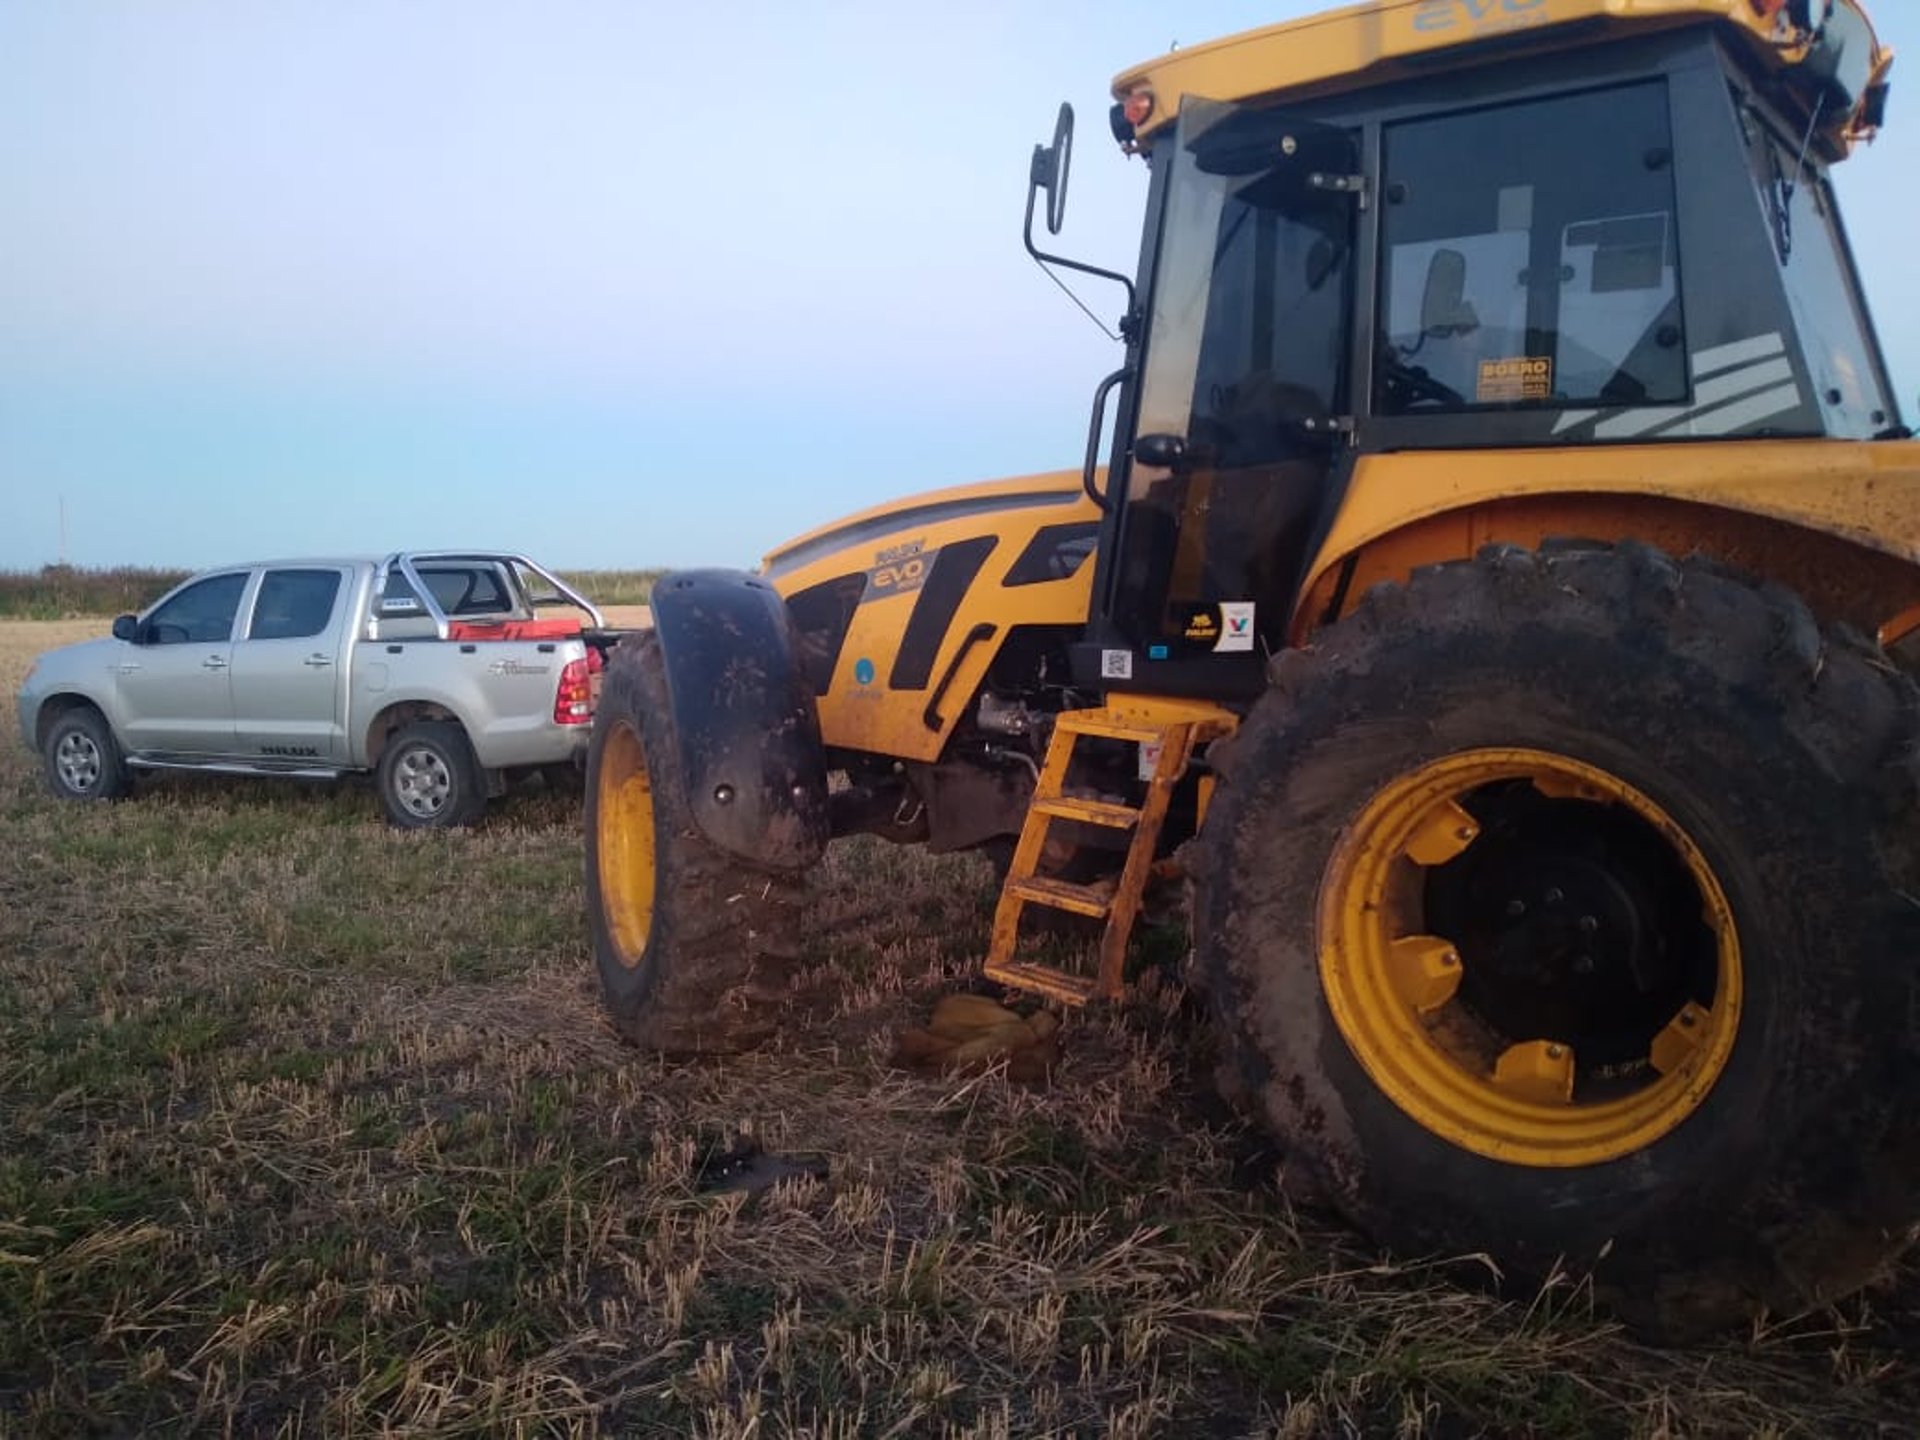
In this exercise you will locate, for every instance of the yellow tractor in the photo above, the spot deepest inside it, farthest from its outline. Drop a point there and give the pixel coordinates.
(1500, 601)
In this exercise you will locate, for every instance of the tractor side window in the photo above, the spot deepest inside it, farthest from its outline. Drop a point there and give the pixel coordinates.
(1531, 257)
(1835, 334)
(201, 614)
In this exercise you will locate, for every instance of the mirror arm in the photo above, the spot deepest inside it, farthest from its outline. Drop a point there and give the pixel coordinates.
(1131, 323)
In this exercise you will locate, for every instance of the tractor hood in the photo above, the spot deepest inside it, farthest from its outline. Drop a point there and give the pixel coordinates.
(872, 529)
(898, 611)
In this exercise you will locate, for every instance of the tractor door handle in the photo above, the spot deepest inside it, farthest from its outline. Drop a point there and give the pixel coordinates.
(1118, 377)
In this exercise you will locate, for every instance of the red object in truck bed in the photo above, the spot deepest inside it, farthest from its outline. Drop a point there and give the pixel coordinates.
(561, 629)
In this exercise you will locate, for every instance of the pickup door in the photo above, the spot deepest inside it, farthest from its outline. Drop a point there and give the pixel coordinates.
(174, 689)
(288, 695)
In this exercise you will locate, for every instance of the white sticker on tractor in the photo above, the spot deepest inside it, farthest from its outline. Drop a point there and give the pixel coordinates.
(1236, 626)
(1150, 758)
(1116, 664)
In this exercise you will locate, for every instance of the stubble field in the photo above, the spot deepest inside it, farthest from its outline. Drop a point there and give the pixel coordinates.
(307, 1126)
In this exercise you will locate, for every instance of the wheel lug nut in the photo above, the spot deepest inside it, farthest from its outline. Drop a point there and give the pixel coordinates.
(1554, 895)
(1516, 908)
(1556, 1052)
(1588, 925)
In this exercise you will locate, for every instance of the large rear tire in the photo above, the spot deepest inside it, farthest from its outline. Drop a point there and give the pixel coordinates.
(694, 947)
(1559, 908)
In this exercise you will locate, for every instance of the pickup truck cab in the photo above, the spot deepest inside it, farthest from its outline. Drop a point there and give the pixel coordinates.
(434, 670)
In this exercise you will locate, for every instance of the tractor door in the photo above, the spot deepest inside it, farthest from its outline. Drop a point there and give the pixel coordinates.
(1241, 406)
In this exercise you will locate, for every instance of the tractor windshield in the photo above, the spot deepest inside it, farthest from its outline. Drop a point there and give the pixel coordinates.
(1252, 289)
(1245, 366)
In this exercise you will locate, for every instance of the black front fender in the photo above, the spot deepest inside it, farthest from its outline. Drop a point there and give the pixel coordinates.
(749, 735)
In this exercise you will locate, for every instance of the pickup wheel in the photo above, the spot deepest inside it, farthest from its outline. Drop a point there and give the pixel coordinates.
(81, 759)
(429, 779)
(693, 945)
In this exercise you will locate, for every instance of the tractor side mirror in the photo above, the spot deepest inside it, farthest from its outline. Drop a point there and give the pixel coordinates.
(1047, 173)
(127, 627)
(1444, 309)
(1162, 452)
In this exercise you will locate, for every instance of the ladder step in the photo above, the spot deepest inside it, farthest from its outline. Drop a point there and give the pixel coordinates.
(1056, 984)
(1063, 894)
(1099, 722)
(1091, 812)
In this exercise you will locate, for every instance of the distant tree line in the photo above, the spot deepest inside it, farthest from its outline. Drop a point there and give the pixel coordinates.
(58, 592)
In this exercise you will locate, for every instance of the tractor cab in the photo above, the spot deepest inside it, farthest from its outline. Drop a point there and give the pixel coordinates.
(1399, 228)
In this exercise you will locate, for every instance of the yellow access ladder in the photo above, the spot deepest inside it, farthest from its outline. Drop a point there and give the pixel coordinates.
(1176, 727)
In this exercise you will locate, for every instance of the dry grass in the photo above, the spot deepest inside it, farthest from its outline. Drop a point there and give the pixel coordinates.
(310, 1127)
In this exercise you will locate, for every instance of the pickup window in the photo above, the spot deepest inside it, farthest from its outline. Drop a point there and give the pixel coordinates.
(201, 614)
(294, 604)
(468, 589)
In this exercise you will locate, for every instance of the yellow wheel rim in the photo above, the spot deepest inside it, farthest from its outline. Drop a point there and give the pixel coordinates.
(1440, 1021)
(624, 831)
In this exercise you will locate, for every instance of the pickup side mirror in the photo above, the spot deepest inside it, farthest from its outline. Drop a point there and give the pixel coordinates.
(127, 627)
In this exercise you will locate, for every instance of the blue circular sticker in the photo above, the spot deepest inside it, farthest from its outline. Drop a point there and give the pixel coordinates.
(863, 670)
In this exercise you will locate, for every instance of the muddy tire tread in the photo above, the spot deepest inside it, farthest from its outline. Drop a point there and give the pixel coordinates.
(718, 967)
(1848, 1166)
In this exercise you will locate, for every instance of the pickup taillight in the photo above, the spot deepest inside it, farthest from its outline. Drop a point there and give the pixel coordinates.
(573, 702)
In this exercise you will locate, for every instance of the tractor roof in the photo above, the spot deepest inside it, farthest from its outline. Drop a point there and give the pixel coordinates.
(1381, 41)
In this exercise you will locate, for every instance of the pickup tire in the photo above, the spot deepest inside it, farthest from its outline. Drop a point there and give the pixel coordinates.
(693, 945)
(81, 759)
(429, 779)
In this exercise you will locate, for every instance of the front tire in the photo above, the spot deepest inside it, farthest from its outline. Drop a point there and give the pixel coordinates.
(1555, 908)
(81, 759)
(693, 946)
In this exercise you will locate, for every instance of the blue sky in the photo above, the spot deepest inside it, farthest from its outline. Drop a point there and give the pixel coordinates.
(614, 283)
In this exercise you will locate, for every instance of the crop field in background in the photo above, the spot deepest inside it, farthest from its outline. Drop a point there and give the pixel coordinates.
(308, 1126)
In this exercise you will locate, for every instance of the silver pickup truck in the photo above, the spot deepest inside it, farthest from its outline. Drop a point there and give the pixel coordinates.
(433, 670)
